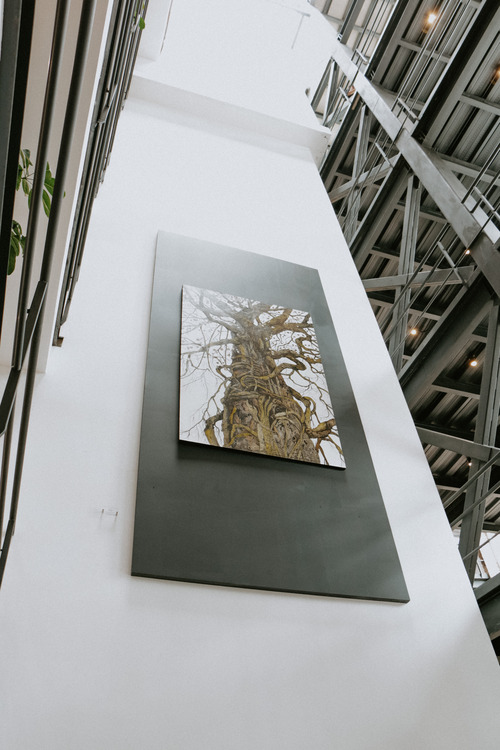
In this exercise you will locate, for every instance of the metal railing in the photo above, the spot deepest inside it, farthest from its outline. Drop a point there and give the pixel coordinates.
(17, 34)
(121, 53)
(452, 21)
(30, 313)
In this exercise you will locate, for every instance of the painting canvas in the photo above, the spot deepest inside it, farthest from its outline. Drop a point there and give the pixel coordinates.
(252, 379)
(231, 516)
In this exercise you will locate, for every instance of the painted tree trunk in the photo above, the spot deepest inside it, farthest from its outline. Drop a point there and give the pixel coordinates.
(260, 411)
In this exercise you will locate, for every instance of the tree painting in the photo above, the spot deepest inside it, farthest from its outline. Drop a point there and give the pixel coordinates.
(252, 379)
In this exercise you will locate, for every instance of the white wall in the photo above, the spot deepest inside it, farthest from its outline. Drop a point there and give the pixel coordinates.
(95, 659)
(261, 55)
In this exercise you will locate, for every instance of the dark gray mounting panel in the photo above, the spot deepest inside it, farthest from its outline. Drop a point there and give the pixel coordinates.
(209, 515)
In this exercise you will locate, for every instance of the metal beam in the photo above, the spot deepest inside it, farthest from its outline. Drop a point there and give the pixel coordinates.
(466, 61)
(480, 334)
(448, 193)
(423, 278)
(458, 445)
(337, 23)
(489, 526)
(406, 264)
(446, 339)
(385, 252)
(448, 385)
(477, 101)
(15, 34)
(379, 213)
(431, 171)
(340, 145)
(382, 299)
(448, 484)
(378, 172)
(321, 87)
(459, 166)
(488, 590)
(391, 254)
(448, 431)
(488, 599)
(485, 431)
(391, 38)
(354, 196)
(426, 213)
(353, 10)
(405, 44)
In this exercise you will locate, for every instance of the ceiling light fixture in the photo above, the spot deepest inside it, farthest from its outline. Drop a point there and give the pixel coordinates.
(473, 362)
(467, 252)
(429, 21)
(413, 332)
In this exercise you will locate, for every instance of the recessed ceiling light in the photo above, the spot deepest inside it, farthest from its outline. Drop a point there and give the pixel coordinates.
(473, 362)
(431, 17)
(413, 332)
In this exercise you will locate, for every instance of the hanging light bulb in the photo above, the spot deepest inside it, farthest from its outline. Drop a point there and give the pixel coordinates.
(430, 20)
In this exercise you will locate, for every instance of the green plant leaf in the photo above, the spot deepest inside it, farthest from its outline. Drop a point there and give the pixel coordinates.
(24, 179)
(49, 180)
(26, 158)
(16, 243)
(46, 202)
(142, 23)
(12, 261)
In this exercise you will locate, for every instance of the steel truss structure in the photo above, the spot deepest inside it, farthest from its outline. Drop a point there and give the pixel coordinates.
(412, 95)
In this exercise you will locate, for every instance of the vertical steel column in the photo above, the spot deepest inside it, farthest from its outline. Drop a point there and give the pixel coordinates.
(454, 330)
(485, 432)
(379, 212)
(16, 45)
(354, 198)
(322, 85)
(82, 46)
(353, 11)
(331, 94)
(53, 77)
(406, 264)
(334, 156)
(17, 31)
(106, 93)
(121, 51)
